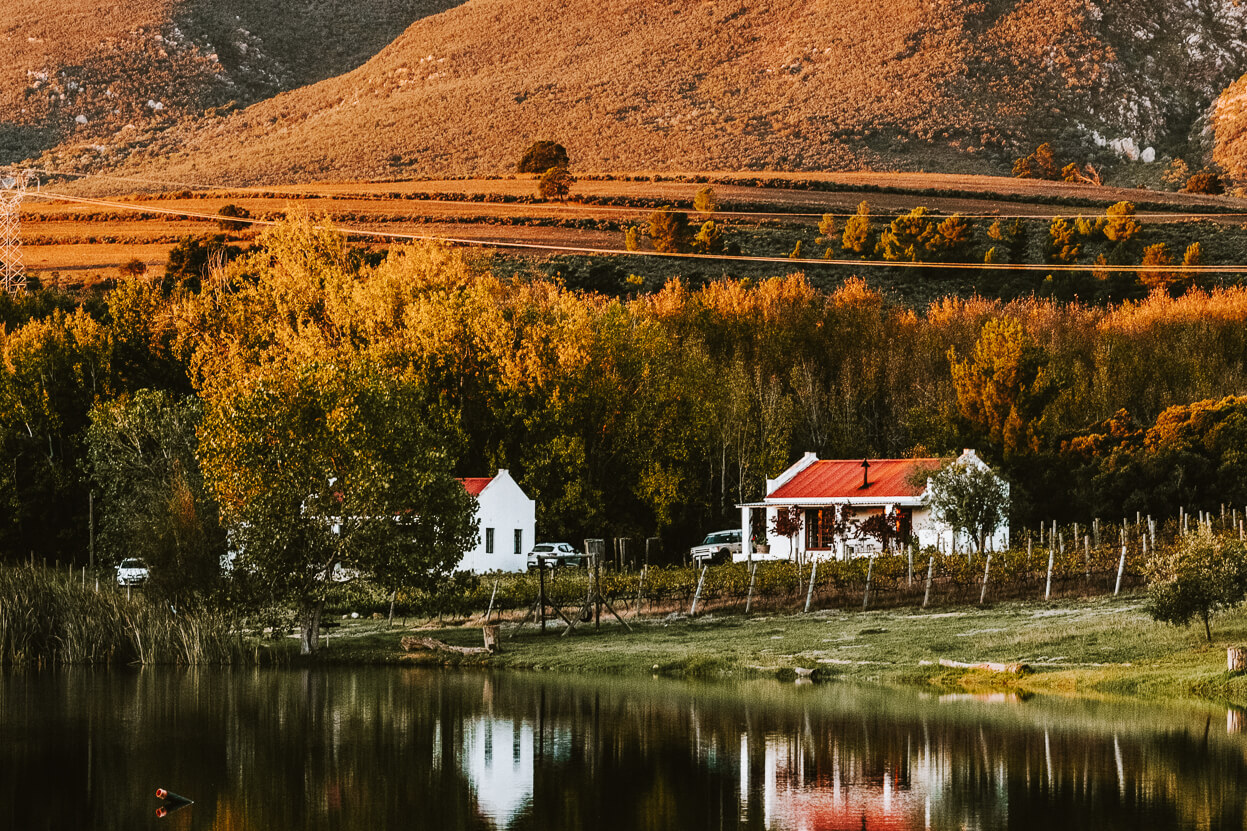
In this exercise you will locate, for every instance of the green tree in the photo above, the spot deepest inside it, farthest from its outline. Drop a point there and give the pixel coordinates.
(153, 503)
(323, 466)
(858, 232)
(670, 231)
(541, 156)
(970, 499)
(1202, 574)
(705, 200)
(555, 183)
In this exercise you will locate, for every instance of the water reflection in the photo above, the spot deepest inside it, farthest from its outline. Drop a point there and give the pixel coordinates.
(390, 748)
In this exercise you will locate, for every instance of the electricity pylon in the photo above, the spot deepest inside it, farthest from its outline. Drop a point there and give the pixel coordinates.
(13, 184)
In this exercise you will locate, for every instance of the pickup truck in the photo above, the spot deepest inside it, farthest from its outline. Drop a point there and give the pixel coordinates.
(717, 547)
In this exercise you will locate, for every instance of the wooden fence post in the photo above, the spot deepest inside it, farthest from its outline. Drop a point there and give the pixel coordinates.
(697, 594)
(541, 590)
(910, 549)
(1121, 567)
(986, 571)
(870, 569)
(809, 592)
(636, 607)
(753, 573)
(1047, 592)
(488, 611)
(926, 597)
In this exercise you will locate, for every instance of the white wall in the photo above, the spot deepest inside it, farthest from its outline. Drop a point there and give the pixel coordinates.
(504, 508)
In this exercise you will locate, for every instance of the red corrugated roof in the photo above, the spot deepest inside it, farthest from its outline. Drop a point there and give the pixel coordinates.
(842, 479)
(476, 484)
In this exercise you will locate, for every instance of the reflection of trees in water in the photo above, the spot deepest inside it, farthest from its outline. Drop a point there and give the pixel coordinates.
(389, 748)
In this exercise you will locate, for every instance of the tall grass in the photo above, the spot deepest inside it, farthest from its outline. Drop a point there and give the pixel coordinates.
(47, 619)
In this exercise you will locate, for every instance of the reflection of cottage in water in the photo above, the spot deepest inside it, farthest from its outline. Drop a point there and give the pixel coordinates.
(497, 758)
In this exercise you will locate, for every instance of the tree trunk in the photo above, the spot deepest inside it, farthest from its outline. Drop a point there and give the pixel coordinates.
(1207, 627)
(309, 637)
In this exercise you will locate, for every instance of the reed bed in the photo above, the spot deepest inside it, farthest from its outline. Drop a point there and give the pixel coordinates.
(48, 619)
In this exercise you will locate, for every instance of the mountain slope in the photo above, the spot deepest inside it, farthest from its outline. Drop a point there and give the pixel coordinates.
(76, 74)
(649, 84)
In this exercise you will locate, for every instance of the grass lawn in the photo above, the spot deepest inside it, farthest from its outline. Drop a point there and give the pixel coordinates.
(1103, 646)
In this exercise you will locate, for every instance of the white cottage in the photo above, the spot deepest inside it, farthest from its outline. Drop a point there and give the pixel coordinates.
(506, 524)
(827, 492)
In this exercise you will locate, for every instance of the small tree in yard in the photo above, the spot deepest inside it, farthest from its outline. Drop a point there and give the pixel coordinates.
(1202, 575)
(969, 498)
(787, 523)
(555, 183)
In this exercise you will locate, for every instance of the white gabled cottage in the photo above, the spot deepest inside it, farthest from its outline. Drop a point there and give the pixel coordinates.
(507, 525)
(827, 492)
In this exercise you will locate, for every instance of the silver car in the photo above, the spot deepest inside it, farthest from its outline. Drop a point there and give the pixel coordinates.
(132, 572)
(553, 554)
(717, 547)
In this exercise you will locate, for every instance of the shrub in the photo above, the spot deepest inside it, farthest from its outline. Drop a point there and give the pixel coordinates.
(1205, 182)
(541, 156)
(709, 239)
(858, 231)
(1202, 575)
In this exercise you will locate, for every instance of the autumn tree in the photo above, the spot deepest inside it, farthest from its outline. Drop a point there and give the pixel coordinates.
(1004, 386)
(858, 233)
(709, 238)
(1041, 164)
(1206, 181)
(1119, 222)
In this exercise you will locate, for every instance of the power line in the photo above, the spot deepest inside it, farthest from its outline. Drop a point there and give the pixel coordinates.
(308, 191)
(568, 249)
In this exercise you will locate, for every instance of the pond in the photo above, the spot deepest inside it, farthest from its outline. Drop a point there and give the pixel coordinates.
(383, 748)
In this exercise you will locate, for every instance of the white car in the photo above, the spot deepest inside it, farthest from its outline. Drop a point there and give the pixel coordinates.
(717, 547)
(132, 572)
(555, 554)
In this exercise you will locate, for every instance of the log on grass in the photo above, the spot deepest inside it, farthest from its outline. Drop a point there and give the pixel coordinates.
(415, 644)
(990, 666)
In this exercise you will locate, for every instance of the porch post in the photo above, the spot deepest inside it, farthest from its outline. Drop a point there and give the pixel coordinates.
(746, 532)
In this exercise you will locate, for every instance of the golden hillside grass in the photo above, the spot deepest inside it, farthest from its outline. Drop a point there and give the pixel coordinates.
(833, 84)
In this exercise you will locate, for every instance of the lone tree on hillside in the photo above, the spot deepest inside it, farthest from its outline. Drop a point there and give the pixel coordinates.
(1202, 575)
(967, 497)
(555, 183)
(541, 156)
